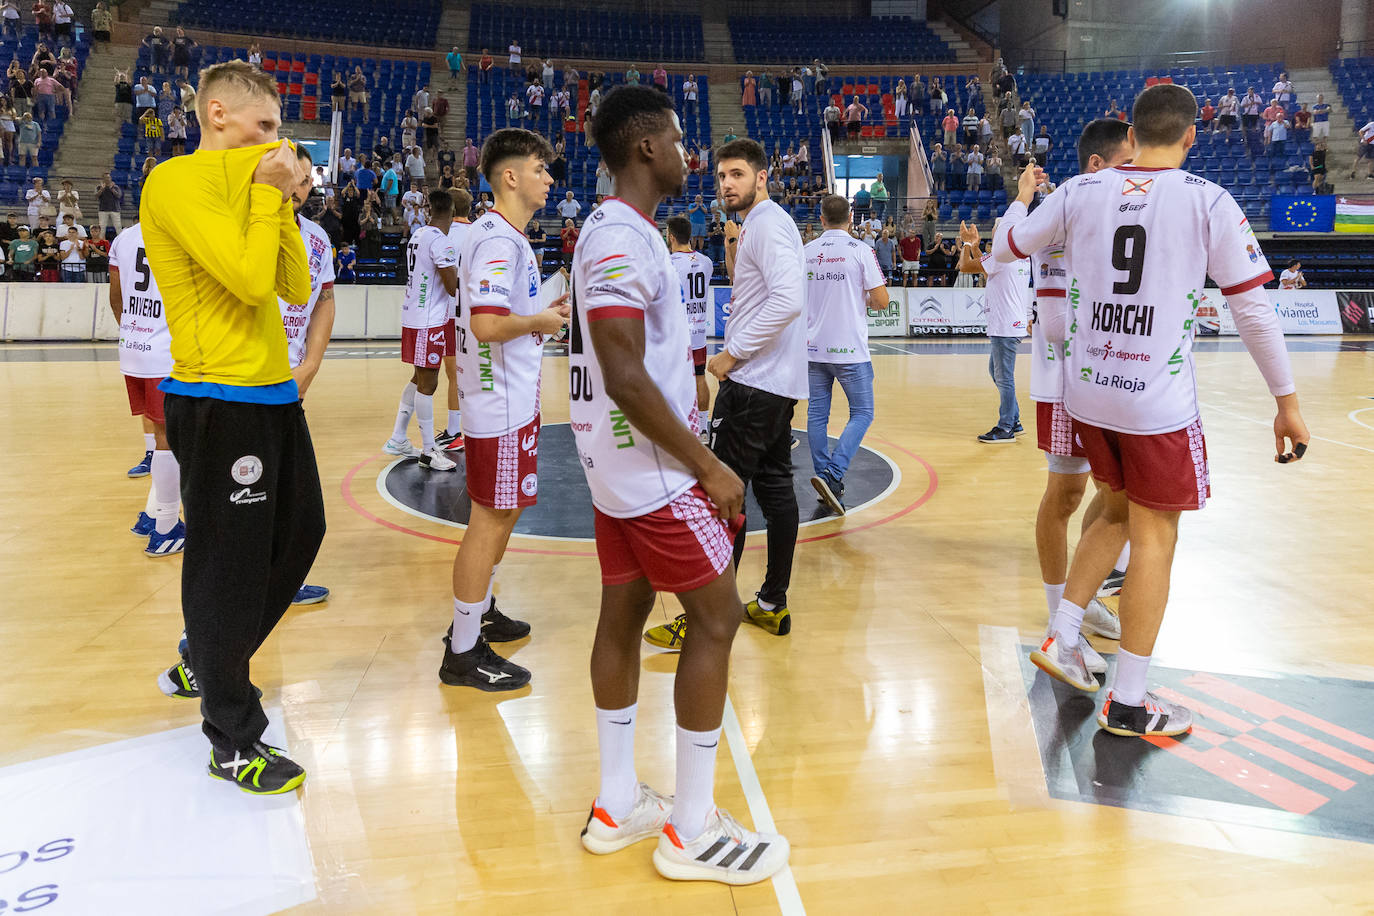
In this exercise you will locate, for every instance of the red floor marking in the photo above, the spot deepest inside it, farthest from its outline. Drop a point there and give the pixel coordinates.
(1261, 705)
(1294, 762)
(1202, 709)
(1244, 775)
(1320, 747)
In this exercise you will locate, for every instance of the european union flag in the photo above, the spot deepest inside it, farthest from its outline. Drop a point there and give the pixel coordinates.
(1302, 214)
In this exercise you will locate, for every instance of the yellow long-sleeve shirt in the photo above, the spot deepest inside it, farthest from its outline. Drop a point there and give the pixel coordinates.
(223, 249)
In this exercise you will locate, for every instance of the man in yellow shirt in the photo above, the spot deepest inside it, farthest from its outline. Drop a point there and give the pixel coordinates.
(222, 239)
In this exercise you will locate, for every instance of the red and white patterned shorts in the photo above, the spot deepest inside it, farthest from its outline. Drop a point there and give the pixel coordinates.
(145, 399)
(427, 347)
(678, 547)
(1054, 430)
(503, 472)
(1167, 472)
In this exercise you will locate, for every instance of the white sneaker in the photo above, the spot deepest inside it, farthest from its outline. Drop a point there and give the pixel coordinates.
(437, 461)
(1094, 662)
(1154, 717)
(1064, 663)
(404, 448)
(605, 834)
(723, 852)
(1100, 621)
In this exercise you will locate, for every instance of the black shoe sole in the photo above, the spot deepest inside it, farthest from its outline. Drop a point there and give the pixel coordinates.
(480, 682)
(497, 633)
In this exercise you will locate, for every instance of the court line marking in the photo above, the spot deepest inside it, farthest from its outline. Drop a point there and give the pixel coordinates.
(1267, 423)
(784, 883)
(1351, 417)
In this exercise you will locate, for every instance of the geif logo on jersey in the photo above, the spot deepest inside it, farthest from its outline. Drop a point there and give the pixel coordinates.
(1136, 187)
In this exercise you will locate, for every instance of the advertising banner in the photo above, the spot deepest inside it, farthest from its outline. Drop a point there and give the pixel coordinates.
(1357, 311)
(945, 312)
(891, 321)
(1300, 311)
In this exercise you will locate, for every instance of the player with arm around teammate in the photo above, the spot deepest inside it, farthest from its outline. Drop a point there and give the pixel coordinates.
(1141, 239)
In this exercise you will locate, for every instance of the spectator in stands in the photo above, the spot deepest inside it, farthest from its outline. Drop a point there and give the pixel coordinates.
(939, 166)
(562, 106)
(39, 200)
(413, 206)
(176, 131)
(183, 49)
(970, 124)
(187, 93)
(365, 178)
(484, 65)
(775, 165)
(446, 178)
(797, 98)
(593, 102)
(420, 100)
(72, 253)
(936, 101)
(950, 125)
(567, 237)
(255, 55)
(1274, 112)
(899, 98)
(350, 207)
(45, 91)
(429, 128)
(1316, 166)
(916, 96)
(729, 137)
(471, 156)
(345, 265)
(765, 87)
(784, 88)
(697, 215)
(958, 168)
(348, 165)
(515, 109)
(23, 255)
(1276, 138)
(370, 226)
(1207, 115)
(831, 116)
(63, 15)
(568, 207)
(1114, 111)
(1042, 146)
(822, 76)
(777, 191)
(974, 167)
(693, 161)
(151, 132)
(1019, 149)
(415, 164)
(7, 130)
(68, 201)
(534, 100)
(409, 125)
(149, 164)
(974, 86)
(632, 75)
(1228, 113)
(1025, 121)
(887, 251)
(157, 49)
(454, 59)
(108, 196)
(1006, 113)
(1321, 119)
(338, 91)
(558, 165)
(992, 169)
(604, 186)
(1250, 107)
(1292, 278)
(28, 138)
(145, 98)
(984, 132)
(42, 57)
(166, 101)
(718, 212)
(715, 243)
(42, 17)
(878, 193)
(909, 247)
(1302, 124)
(748, 97)
(1283, 92)
(808, 80)
(854, 117)
(9, 12)
(391, 187)
(572, 81)
(538, 239)
(690, 91)
(863, 202)
(513, 56)
(357, 91)
(661, 79)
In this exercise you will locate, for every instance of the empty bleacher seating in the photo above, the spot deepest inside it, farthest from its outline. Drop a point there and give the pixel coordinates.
(792, 39)
(398, 23)
(564, 32)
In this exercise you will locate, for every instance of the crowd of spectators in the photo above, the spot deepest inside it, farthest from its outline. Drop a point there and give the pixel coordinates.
(52, 246)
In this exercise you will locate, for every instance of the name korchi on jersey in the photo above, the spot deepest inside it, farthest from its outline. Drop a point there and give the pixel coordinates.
(319, 252)
(622, 269)
(498, 383)
(694, 274)
(1139, 245)
(145, 344)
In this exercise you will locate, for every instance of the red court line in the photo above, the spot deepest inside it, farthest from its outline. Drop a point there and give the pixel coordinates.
(1320, 747)
(1245, 775)
(1202, 709)
(1269, 708)
(1294, 762)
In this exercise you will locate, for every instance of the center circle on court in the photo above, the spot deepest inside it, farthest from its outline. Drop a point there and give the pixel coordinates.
(564, 510)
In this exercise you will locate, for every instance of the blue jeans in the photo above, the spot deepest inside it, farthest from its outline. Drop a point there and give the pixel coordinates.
(1002, 368)
(856, 380)
(44, 107)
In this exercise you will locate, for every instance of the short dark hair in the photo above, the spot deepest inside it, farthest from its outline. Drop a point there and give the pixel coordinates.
(751, 151)
(678, 226)
(512, 143)
(834, 210)
(303, 152)
(1100, 138)
(440, 204)
(462, 203)
(628, 114)
(1162, 114)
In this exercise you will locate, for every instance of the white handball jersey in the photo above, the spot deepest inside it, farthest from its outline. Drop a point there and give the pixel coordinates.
(427, 303)
(1008, 296)
(457, 234)
(498, 383)
(296, 318)
(1050, 325)
(840, 270)
(694, 271)
(621, 269)
(1140, 244)
(145, 344)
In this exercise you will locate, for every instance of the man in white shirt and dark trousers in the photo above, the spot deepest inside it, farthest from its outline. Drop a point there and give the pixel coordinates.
(762, 367)
(843, 281)
(1009, 299)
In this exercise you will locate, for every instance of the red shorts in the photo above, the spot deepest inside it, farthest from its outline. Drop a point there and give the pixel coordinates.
(1054, 430)
(425, 347)
(145, 400)
(503, 473)
(678, 547)
(1167, 472)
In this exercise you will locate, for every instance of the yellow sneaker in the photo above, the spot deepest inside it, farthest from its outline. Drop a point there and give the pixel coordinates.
(668, 635)
(777, 621)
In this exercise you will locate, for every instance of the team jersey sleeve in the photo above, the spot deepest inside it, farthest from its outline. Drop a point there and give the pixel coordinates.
(1234, 259)
(870, 273)
(443, 251)
(327, 269)
(616, 284)
(1031, 233)
(992, 266)
(495, 267)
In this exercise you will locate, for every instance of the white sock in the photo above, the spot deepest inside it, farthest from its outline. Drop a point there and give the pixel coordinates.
(167, 489)
(615, 737)
(424, 415)
(1125, 558)
(696, 781)
(766, 605)
(1053, 595)
(403, 413)
(455, 425)
(150, 507)
(149, 442)
(1068, 621)
(1129, 686)
(467, 625)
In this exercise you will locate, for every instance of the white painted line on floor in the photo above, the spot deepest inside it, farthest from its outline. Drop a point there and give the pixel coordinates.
(1354, 413)
(784, 885)
(1269, 423)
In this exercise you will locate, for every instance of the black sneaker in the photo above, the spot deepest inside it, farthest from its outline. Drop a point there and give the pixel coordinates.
(1018, 429)
(444, 438)
(830, 492)
(497, 627)
(258, 770)
(1112, 584)
(1155, 717)
(997, 435)
(179, 681)
(482, 668)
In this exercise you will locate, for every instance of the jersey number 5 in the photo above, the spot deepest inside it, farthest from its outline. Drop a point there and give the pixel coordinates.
(145, 275)
(1133, 263)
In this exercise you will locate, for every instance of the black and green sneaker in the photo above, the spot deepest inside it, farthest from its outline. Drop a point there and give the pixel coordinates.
(258, 770)
(179, 681)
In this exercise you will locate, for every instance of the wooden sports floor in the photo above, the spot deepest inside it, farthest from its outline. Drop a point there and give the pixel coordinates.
(896, 757)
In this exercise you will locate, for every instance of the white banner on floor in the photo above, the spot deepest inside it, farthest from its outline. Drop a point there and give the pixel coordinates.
(138, 826)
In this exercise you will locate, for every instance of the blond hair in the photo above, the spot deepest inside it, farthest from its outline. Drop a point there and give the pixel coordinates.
(230, 77)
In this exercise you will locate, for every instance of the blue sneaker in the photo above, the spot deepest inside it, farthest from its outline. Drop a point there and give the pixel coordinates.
(144, 467)
(311, 594)
(145, 525)
(164, 545)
